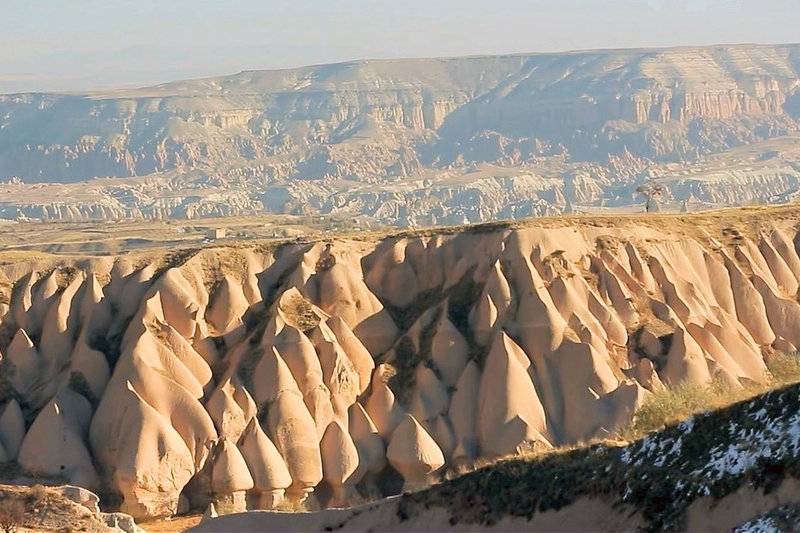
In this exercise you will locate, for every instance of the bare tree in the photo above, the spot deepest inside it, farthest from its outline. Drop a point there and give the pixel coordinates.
(12, 514)
(650, 191)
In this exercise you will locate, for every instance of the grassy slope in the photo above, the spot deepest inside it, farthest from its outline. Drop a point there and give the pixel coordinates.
(754, 443)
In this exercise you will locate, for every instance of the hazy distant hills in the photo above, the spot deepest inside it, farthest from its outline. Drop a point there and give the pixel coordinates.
(418, 141)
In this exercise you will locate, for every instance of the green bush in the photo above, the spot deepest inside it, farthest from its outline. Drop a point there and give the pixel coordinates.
(675, 404)
(672, 405)
(784, 369)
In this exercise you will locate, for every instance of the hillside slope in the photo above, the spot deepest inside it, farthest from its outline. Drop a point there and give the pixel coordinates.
(732, 468)
(419, 141)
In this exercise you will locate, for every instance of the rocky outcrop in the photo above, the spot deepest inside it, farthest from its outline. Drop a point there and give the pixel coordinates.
(240, 376)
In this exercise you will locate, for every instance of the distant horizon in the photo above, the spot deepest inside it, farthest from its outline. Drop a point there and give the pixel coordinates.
(91, 45)
(146, 85)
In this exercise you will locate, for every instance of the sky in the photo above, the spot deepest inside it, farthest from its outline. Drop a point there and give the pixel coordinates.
(74, 45)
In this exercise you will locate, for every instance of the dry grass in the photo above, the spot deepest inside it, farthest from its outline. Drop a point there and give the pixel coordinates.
(291, 506)
(43, 509)
(784, 369)
(299, 313)
(174, 524)
(675, 404)
(12, 515)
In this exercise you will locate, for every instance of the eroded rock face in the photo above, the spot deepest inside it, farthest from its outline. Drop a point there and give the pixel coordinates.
(159, 391)
(596, 120)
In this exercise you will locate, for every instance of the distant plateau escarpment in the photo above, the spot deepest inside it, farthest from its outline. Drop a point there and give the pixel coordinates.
(419, 141)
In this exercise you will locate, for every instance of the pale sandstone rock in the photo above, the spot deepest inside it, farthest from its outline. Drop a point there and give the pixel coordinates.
(509, 410)
(272, 376)
(784, 246)
(130, 295)
(343, 293)
(94, 308)
(686, 361)
(394, 275)
(780, 271)
(12, 429)
(430, 398)
(296, 349)
(413, 453)
(442, 432)
(59, 330)
(340, 464)
(43, 295)
(494, 301)
(181, 308)
(270, 475)
(782, 345)
(230, 478)
(463, 412)
(145, 368)
(355, 350)
(64, 420)
(338, 372)
(750, 308)
(647, 376)
(28, 363)
(370, 445)
(229, 415)
(21, 305)
(566, 381)
(295, 436)
(483, 319)
(449, 350)
(381, 404)
(537, 321)
(585, 376)
(782, 313)
(91, 364)
(228, 306)
(81, 496)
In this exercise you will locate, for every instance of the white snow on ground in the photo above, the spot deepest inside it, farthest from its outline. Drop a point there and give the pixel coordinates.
(748, 439)
(658, 447)
(775, 438)
(763, 524)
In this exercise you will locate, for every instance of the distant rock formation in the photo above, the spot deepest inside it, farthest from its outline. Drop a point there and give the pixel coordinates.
(470, 139)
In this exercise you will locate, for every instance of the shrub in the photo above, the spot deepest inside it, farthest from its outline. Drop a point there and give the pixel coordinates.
(672, 405)
(675, 404)
(290, 506)
(12, 514)
(784, 369)
(300, 313)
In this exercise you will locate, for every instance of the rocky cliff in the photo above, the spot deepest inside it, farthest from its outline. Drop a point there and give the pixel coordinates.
(380, 137)
(341, 370)
(734, 469)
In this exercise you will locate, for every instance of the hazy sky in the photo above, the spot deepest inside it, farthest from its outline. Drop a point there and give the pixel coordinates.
(83, 44)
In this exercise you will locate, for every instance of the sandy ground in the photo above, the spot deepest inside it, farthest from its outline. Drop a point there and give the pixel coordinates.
(170, 525)
(587, 514)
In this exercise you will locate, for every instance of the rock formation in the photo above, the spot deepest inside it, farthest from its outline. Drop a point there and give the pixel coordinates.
(304, 371)
(270, 476)
(471, 139)
(413, 453)
(230, 478)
